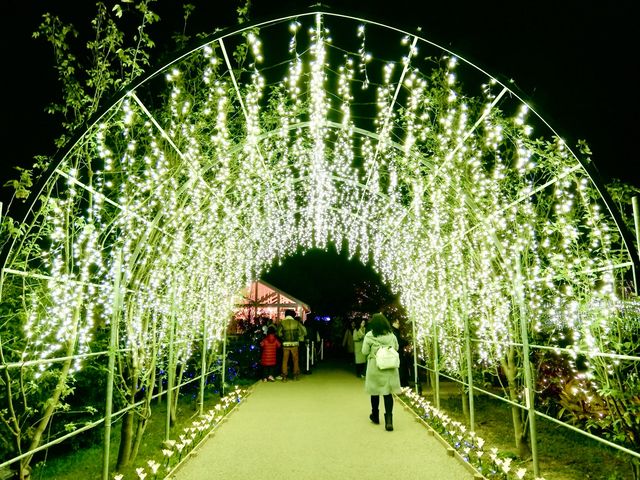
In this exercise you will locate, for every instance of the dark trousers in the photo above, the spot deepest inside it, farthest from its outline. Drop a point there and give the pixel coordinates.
(268, 370)
(388, 403)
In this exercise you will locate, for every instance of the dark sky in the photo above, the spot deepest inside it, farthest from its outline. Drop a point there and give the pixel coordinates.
(574, 61)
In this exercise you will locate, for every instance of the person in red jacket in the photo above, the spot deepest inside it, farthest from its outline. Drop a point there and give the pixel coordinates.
(268, 359)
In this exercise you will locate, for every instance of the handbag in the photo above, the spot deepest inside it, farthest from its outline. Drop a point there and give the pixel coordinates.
(387, 357)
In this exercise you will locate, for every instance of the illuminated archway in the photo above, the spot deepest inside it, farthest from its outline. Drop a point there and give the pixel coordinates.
(191, 183)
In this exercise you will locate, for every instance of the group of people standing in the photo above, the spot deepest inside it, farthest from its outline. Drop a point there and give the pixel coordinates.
(286, 335)
(364, 340)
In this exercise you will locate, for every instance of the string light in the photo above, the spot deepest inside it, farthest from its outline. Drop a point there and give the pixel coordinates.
(443, 192)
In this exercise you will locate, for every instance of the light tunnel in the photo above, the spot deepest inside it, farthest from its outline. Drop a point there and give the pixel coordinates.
(299, 132)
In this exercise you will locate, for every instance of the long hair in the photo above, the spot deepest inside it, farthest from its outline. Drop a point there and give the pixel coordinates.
(379, 325)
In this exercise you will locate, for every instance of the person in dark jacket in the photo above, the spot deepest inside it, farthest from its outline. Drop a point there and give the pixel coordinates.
(405, 364)
(291, 331)
(268, 357)
(380, 382)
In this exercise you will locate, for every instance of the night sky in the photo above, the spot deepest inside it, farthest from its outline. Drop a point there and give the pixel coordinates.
(574, 62)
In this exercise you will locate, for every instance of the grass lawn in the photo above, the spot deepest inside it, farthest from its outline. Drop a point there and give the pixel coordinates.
(562, 453)
(86, 463)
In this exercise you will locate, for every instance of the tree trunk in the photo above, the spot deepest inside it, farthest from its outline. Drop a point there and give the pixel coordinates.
(635, 468)
(126, 429)
(432, 385)
(175, 396)
(12, 423)
(465, 404)
(126, 438)
(140, 428)
(144, 418)
(510, 370)
(53, 402)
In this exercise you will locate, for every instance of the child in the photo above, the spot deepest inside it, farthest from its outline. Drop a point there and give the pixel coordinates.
(268, 361)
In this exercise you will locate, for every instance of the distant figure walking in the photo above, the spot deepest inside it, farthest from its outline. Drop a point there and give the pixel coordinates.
(358, 338)
(268, 358)
(402, 350)
(380, 382)
(291, 331)
(347, 340)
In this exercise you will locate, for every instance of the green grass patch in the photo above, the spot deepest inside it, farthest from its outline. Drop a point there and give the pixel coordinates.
(86, 463)
(562, 453)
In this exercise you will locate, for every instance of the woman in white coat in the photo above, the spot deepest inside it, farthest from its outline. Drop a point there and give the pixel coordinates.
(380, 382)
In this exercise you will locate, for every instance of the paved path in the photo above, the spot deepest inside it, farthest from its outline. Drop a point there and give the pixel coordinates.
(318, 428)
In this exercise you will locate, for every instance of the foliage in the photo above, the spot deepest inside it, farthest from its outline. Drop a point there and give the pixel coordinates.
(196, 180)
(33, 395)
(86, 462)
(22, 185)
(563, 454)
(243, 357)
(607, 402)
(116, 58)
(472, 448)
(621, 193)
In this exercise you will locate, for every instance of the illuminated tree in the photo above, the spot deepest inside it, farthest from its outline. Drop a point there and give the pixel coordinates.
(196, 177)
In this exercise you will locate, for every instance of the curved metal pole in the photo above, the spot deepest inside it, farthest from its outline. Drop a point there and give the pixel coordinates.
(113, 345)
(170, 367)
(436, 369)
(228, 32)
(467, 344)
(223, 378)
(529, 390)
(203, 365)
(636, 221)
(415, 357)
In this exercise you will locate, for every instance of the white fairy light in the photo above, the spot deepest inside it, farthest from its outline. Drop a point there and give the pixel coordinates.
(442, 192)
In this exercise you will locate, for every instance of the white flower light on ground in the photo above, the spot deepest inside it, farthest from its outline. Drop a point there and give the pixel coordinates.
(468, 444)
(197, 432)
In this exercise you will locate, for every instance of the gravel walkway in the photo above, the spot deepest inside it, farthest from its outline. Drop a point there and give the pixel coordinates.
(318, 428)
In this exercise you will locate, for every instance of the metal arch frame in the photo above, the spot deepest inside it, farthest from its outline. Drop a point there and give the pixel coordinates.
(24, 213)
(82, 131)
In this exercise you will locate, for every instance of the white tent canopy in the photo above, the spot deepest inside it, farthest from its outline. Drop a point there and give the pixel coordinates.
(261, 299)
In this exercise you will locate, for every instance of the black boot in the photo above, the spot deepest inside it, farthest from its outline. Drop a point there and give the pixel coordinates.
(375, 417)
(388, 422)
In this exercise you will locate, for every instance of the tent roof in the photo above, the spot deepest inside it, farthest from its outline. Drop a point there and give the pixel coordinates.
(247, 296)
